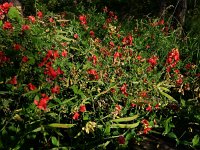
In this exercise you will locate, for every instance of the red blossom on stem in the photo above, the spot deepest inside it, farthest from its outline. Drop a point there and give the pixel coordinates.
(7, 25)
(13, 80)
(31, 86)
(76, 116)
(31, 19)
(42, 103)
(25, 27)
(94, 73)
(55, 89)
(172, 59)
(82, 108)
(16, 47)
(153, 61)
(39, 14)
(82, 19)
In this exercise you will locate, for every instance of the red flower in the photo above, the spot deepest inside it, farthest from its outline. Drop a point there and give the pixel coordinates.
(25, 27)
(179, 81)
(24, 59)
(55, 89)
(157, 106)
(121, 139)
(39, 14)
(112, 90)
(139, 57)
(6, 6)
(112, 44)
(153, 61)
(82, 108)
(13, 80)
(146, 130)
(76, 36)
(76, 116)
(31, 86)
(92, 33)
(7, 25)
(51, 20)
(145, 122)
(64, 53)
(94, 73)
(116, 55)
(82, 19)
(133, 105)
(94, 59)
(118, 108)
(42, 103)
(149, 108)
(128, 40)
(123, 89)
(17, 47)
(31, 18)
(172, 59)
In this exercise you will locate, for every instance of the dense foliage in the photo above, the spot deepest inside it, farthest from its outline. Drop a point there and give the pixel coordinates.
(82, 79)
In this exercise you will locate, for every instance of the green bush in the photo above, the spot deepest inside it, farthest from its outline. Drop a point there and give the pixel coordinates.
(86, 81)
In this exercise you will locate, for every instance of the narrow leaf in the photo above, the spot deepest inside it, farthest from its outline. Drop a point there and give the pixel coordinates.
(125, 119)
(58, 125)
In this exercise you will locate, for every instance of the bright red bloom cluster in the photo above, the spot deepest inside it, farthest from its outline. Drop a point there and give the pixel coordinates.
(42, 103)
(56, 89)
(4, 8)
(123, 89)
(82, 19)
(7, 25)
(31, 86)
(172, 59)
(48, 59)
(153, 61)
(146, 126)
(93, 73)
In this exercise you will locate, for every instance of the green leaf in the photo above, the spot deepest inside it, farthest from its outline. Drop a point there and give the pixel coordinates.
(13, 13)
(37, 129)
(61, 37)
(1, 23)
(195, 140)
(59, 125)
(127, 126)
(107, 129)
(54, 141)
(168, 125)
(125, 119)
(31, 61)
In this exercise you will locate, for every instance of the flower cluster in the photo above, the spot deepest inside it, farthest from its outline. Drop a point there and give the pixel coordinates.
(42, 103)
(4, 8)
(172, 59)
(93, 73)
(147, 128)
